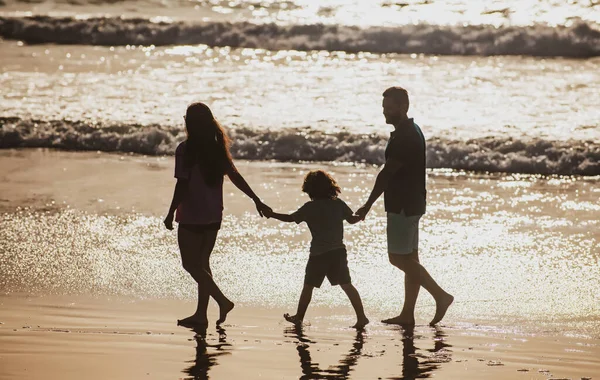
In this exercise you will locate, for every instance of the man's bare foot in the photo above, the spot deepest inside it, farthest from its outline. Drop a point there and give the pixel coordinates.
(440, 309)
(192, 321)
(400, 320)
(224, 310)
(292, 319)
(362, 322)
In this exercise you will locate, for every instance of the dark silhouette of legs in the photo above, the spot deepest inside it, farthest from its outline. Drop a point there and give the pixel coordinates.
(415, 277)
(195, 251)
(303, 303)
(354, 297)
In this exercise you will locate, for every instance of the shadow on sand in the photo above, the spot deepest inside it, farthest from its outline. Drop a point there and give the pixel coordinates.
(204, 359)
(422, 365)
(312, 370)
(414, 365)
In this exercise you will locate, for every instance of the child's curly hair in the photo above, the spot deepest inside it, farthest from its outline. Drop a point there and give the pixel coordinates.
(320, 185)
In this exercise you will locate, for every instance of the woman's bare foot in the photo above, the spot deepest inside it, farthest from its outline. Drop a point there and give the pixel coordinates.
(441, 307)
(361, 322)
(400, 320)
(192, 321)
(224, 310)
(292, 319)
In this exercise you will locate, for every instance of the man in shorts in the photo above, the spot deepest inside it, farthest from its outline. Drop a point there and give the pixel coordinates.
(402, 181)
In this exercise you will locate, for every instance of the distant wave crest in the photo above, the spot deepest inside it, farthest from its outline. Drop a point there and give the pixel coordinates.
(489, 154)
(581, 40)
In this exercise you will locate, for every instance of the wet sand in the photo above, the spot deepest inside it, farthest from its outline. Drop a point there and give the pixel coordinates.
(62, 337)
(74, 306)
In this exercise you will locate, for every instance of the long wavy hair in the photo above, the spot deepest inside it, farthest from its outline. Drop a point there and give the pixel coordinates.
(207, 144)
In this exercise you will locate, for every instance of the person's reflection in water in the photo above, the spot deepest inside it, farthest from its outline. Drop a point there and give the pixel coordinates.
(412, 368)
(311, 370)
(204, 359)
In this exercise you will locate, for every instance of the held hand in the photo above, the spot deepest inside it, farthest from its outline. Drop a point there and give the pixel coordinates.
(262, 208)
(168, 222)
(363, 211)
(268, 213)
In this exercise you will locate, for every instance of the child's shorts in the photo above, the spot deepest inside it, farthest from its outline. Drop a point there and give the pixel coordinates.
(333, 264)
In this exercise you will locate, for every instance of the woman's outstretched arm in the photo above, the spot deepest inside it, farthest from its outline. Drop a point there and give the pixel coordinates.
(180, 189)
(239, 182)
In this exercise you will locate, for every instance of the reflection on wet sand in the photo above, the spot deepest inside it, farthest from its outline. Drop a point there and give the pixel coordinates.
(312, 370)
(204, 359)
(415, 365)
(412, 368)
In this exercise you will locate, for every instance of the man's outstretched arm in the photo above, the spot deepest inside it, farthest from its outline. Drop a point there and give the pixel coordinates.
(381, 183)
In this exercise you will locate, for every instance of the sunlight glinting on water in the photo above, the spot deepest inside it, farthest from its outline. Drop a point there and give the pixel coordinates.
(480, 246)
(325, 91)
(344, 12)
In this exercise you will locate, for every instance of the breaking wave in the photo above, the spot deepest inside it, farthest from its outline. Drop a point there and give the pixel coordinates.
(488, 154)
(581, 40)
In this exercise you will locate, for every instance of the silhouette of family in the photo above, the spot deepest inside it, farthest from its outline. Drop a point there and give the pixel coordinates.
(203, 160)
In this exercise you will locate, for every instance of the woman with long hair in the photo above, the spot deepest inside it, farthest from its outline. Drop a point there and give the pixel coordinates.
(201, 162)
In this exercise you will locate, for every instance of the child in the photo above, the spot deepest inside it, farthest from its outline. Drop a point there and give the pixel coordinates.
(325, 214)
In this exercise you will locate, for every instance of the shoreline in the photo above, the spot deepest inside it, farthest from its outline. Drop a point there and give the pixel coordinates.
(122, 338)
(103, 301)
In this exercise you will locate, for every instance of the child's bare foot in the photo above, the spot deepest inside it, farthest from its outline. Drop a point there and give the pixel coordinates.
(192, 320)
(400, 320)
(361, 322)
(292, 319)
(441, 307)
(224, 310)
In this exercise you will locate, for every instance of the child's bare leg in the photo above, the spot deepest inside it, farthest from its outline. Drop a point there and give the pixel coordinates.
(354, 297)
(303, 303)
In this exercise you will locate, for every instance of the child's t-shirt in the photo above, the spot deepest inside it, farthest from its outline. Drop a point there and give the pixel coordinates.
(325, 219)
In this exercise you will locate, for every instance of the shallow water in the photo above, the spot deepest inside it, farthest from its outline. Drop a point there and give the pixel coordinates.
(520, 253)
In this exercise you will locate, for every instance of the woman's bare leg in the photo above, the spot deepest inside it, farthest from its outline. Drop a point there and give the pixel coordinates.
(195, 254)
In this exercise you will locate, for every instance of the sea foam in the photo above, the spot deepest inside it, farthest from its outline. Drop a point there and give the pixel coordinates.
(580, 40)
(487, 154)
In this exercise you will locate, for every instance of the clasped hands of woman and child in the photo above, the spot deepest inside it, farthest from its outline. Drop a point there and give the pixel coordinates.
(203, 160)
(201, 163)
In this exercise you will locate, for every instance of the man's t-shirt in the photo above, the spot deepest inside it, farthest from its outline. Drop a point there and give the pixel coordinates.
(202, 204)
(406, 189)
(325, 219)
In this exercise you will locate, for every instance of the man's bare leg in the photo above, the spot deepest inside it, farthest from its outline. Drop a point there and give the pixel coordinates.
(415, 275)
(443, 299)
(411, 270)
(303, 303)
(354, 297)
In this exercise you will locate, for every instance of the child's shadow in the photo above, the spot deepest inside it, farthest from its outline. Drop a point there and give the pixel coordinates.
(204, 359)
(312, 370)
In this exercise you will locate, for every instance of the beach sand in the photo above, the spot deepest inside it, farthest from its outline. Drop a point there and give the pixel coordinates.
(67, 314)
(67, 337)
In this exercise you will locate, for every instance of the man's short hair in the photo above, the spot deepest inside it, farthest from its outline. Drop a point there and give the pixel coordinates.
(398, 93)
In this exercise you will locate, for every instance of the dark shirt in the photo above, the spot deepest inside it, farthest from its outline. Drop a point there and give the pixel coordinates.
(406, 189)
(325, 219)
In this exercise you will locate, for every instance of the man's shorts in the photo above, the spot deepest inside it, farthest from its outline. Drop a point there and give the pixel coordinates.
(402, 233)
(333, 264)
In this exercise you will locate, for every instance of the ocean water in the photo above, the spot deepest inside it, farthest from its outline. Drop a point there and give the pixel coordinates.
(500, 90)
(506, 93)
